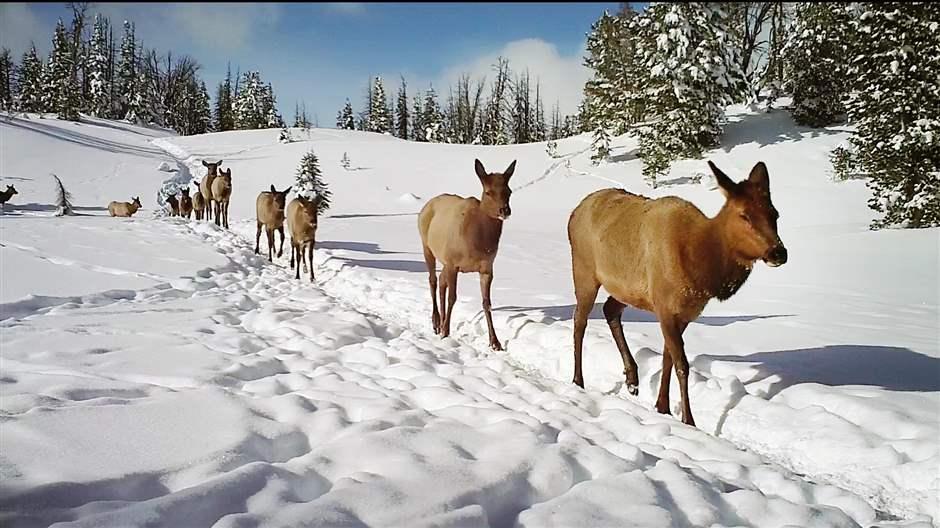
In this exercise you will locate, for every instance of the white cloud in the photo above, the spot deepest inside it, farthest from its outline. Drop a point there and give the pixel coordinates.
(345, 8)
(223, 26)
(18, 26)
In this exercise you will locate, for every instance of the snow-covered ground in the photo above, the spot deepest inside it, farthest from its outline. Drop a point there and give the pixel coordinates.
(155, 371)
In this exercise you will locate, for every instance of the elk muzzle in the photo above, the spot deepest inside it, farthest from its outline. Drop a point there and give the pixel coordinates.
(777, 256)
(504, 212)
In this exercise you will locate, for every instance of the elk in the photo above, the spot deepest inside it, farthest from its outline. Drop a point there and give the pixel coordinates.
(174, 205)
(7, 194)
(302, 221)
(666, 257)
(222, 193)
(199, 205)
(463, 233)
(206, 186)
(186, 203)
(126, 209)
(270, 214)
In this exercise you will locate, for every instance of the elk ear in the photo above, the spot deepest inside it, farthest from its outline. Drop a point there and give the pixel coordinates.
(272, 188)
(726, 184)
(759, 175)
(204, 164)
(481, 172)
(510, 170)
(287, 190)
(218, 163)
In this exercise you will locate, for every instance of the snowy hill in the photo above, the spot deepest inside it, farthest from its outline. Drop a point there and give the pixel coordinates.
(154, 368)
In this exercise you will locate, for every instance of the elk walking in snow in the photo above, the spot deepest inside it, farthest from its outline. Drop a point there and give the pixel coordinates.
(302, 221)
(269, 207)
(124, 208)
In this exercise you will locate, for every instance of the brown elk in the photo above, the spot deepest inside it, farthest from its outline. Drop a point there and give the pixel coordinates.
(186, 203)
(206, 186)
(666, 257)
(124, 208)
(221, 194)
(174, 205)
(199, 204)
(302, 221)
(463, 233)
(269, 207)
(7, 194)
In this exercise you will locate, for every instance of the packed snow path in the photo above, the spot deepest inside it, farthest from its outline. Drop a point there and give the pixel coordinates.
(238, 396)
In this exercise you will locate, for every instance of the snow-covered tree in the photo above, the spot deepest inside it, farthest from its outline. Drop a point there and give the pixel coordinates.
(127, 82)
(273, 118)
(600, 145)
(494, 115)
(203, 111)
(97, 71)
(417, 120)
(401, 112)
(143, 108)
(346, 119)
(380, 119)
(613, 96)
(63, 199)
(224, 115)
(694, 72)
(29, 82)
(6, 76)
(433, 118)
(894, 102)
(250, 111)
(62, 85)
(816, 58)
(310, 183)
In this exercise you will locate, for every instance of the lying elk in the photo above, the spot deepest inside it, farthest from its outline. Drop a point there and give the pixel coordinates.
(270, 214)
(666, 257)
(7, 194)
(199, 205)
(174, 205)
(302, 221)
(186, 203)
(124, 208)
(206, 186)
(463, 233)
(221, 194)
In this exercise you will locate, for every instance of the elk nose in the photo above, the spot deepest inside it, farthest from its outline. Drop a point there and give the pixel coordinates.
(777, 256)
(505, 212)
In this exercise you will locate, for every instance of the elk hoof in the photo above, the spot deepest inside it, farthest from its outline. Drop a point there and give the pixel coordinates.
(687, 420)
(662, 408)
(633, 389)
(578, 381)
(494, 344)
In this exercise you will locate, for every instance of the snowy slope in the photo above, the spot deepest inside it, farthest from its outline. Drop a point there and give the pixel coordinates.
(179, 377)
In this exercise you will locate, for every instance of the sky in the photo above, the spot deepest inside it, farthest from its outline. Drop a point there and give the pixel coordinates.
(322, 53)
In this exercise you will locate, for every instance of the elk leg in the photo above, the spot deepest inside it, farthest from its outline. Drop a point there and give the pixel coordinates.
(257, 237)
(310, 250)
(225, 207)
(280, 249)
(585, 292)
(613, 309)
(292, 249)
(270, 233)
(486, 280)
(217, 208)
(432, 282)
(442, 293)
(672, 332)
(451, 286)
(662, 401)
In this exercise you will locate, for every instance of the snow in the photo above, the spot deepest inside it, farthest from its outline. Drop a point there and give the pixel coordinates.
(155, 370)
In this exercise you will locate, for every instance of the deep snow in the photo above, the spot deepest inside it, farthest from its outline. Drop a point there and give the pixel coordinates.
(156, 369)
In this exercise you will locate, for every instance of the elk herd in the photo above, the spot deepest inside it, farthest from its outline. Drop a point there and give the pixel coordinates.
(660, 255)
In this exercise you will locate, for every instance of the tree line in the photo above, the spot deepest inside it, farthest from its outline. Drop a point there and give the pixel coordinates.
(667, 73)
(509, 110)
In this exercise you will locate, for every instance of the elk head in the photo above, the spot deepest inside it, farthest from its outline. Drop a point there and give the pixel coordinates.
(213, 167)
(280, 197)
(496, 192)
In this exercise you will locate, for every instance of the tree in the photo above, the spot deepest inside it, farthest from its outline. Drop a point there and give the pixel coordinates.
(63, 95)
(99, 95)
(433, 119)
(379, 116)
(345, 161)
(401, 112)
(224, 115)
(417, 120)
(815, 57)
(494, 119)
(250, 105)
(6, 75)
(522, 110)
(346, 119)
(310, 183)
(63, 199)
(894, 102)
(693, 73)
(30, 80)
(127, 71)
(600, 145)
(273, 118)
(203, 111)
(613, 97)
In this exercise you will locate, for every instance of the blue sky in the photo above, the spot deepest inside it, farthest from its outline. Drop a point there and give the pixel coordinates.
(323, 53)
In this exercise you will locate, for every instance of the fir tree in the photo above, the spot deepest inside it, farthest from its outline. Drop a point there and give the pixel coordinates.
(433, 118)
(62, 82)
(127, 81)
(273, 118)
(346, 119)
(250, 111)
(894, 102)
(613, 96)
(63, 199)
(6, 75)
(97, 71)
(417, 120)
(30, 82)
(815, 55)
(600, 145)
(203, 110)
(310, 183)
(379, 116)
(224, 118)
(401, 112)
(494, 118)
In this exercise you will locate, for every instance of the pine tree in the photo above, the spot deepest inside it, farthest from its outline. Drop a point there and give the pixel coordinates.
(894, 102)
(62, 86)
(99, 96)
(63, 199)
(250, 111)
(815, 57)
(203, 110)
(494, 118)
(685, 100)
(224, 118)
(417, 120)
(6, 75)
(346, 120)
(600, 145)
(127, 81)
(344, 162)
(29, 82)
(310, 183)
(522, 110)
(379, 116)
(613, 96)
(142, 108)
(273, 118)
(433, 118)
(539, 126)
(401, 112)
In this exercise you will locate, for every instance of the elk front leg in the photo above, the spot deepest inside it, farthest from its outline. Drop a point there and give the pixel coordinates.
(486, 280)
(257, 238)
(662, 401)
(270, 233)
(431, 263)
(280, 249)
(585, 292)
(450, 279)
(672, 329)
(613, 309)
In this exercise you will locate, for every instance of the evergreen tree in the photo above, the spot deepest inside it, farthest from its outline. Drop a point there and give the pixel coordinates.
(417, 120)
(894, 102)
(297, 122)
(522, 110)
(494, 119)
(401, 112)
(344, 162)
(539, 132)
(600, 145)
(142, 109)
(6, 75)
(346, 119)
(250, 111)
(694, 72)
(30, 80)
(224, 117)
(815, 57)
(63, 87)
(97, 71)
(273, 118)
(310, 183)
(613, 97)
(203, 110)
(433, 118)
(379, 116)
(127, 81)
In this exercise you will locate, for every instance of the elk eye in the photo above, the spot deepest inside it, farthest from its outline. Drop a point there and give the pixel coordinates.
(745, 217)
